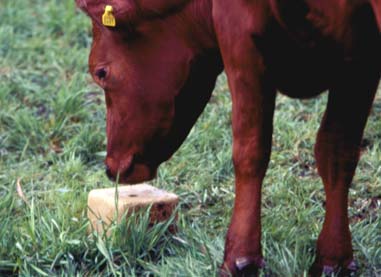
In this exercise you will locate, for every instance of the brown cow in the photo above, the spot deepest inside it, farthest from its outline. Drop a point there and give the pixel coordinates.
(158, 67)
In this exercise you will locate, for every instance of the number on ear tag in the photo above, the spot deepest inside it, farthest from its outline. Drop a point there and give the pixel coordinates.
(108, 18)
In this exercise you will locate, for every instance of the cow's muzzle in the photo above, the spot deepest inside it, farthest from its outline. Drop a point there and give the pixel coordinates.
(129, 171)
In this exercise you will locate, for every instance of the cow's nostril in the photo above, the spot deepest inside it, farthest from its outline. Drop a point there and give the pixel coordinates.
(126, 166)
(119, 169)
(109, 173)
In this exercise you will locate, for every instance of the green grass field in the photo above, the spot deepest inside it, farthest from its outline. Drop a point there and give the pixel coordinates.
(52, 143)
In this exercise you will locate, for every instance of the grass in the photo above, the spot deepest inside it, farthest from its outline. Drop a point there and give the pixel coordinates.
(52, 139)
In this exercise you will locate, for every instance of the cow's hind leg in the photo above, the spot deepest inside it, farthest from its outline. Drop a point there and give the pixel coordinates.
(337, 155)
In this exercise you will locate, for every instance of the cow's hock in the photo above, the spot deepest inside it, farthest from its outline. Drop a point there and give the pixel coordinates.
(112, 204)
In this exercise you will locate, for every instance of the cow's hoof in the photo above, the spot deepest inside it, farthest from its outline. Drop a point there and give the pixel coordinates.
(243, 267)
(353, 266)
(327, 270)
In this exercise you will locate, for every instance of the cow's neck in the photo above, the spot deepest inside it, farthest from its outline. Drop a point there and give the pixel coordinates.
(196, 18)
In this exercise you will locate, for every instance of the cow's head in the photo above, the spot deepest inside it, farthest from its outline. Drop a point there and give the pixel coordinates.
(158, 67)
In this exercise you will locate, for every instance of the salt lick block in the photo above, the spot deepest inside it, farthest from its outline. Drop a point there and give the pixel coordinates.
(102, 204)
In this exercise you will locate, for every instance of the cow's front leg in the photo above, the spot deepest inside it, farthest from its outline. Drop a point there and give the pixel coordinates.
(337, 154)
(253, 105)
(253, 98)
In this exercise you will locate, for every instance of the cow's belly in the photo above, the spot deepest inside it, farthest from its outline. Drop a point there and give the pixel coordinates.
(299, 68)
(301, 73)
(301, 80)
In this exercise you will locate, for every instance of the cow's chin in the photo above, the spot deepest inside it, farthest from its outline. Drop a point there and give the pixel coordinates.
(139, 173)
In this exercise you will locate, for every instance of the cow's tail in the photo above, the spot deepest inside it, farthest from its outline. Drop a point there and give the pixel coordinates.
(376, 5)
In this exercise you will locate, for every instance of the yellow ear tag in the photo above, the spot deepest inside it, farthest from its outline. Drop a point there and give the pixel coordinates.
(108, 18)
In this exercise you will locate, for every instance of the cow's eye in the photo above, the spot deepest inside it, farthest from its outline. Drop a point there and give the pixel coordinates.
(101, 73)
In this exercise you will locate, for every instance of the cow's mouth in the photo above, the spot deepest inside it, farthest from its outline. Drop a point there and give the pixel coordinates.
(130, 171)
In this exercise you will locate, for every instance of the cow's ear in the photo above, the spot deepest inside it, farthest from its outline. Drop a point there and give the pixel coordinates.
(128, 12)
(124, 12)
